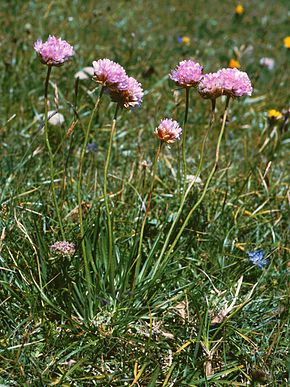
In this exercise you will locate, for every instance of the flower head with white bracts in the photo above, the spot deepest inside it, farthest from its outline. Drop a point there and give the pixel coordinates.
(187, 73)
(168, 131)
(234, 83)
(128, 93)
(53, 52)
(108, 73)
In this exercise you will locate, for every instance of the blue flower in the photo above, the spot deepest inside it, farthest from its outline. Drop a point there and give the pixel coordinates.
(91, 147)
(257, 257)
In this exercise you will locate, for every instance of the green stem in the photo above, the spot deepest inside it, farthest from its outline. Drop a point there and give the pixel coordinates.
(184, 138)
(166, 244)
(139, 255)
(110, 230)
(51, 167)
(79, 184)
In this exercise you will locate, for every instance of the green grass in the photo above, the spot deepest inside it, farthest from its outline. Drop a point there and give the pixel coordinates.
(76, 321)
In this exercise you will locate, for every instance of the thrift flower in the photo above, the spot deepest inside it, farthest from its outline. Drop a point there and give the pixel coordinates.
(234, 64)
(257, 258)
(239, 10)
(127, 93)
(210, 86)
(63, 248)
(234, 83)
(269, 63)
(187, 74)
(108, 73)
(274, 114)
(168, 131)
(184, 39)
(287, 42)
(54, 52)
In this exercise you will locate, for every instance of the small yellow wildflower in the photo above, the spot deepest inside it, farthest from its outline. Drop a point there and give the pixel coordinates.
(185, 40)
(239, 10)
(234, 64)
(274, 114)
(287, 42)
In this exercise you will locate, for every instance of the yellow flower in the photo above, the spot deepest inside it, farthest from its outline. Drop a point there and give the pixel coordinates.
(274, 114)
(287, 42)
(234, 64)
(239, 10)
(186, 40)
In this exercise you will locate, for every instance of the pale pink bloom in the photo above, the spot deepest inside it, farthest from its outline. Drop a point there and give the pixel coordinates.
(234, 83)
(108, 73)
(187, 74)
(210, 86)
(63, 248)
(127, 93)
(269, 63)
(168, 131)
(54, 52)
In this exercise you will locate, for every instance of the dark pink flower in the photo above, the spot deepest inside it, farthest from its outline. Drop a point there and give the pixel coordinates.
(54, 52)
(187, 74)
(168, 131)
(210, 86)
(63, 248)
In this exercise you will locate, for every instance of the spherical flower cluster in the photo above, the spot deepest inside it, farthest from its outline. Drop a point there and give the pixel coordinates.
(235, 83)
(168, 131)
(230, 82)
(124, 90)
(107, 72)
(54, 52)
(63, 248)
(187, 74)
(210, 86)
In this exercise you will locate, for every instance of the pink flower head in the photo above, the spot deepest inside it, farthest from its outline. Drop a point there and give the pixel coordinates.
(234, 83)
(128, 93)
(108, 73)
(187, 74)
(54, 52)
(63, 248)
(168, 131)
(210, 86)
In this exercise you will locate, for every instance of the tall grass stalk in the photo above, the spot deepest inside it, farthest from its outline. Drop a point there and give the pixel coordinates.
(51, 166)
(139, 254)
(162, 262)
(184, 132)
(111, 259)
(79, 187)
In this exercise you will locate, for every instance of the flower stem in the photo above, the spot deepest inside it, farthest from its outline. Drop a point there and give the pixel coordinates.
(51, 167)
(162, 261)
(79, 184)
(139, 254)
(184, 138)
(111, 264)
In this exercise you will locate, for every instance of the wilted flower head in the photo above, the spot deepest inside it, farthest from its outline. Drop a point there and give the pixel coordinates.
(127, 93)
(108, 73)
(269, 63)
(187, 74)
(168, 131)
(63, 248)
(210, 86)
(54, 52)
(234, 83)
(257, 257)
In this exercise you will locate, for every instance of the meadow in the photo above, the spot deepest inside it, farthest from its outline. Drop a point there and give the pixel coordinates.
(171, 279)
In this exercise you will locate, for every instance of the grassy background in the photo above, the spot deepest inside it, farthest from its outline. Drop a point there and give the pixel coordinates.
(56, 329)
